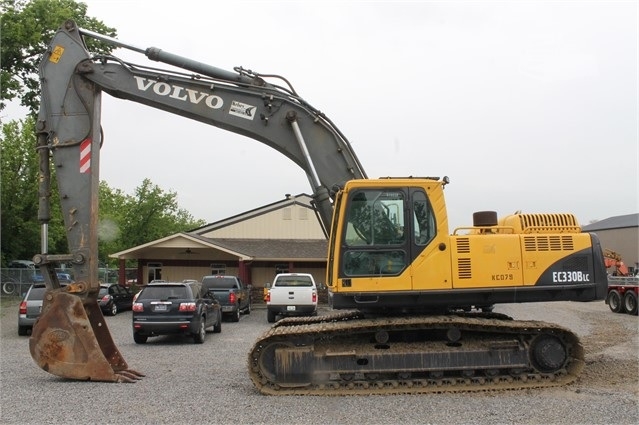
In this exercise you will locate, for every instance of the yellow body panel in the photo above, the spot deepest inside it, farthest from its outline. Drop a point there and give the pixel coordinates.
(486, 261)
(541, 251)
(431, 270)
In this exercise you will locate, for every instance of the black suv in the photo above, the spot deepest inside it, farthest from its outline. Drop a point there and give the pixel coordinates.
(175, 308)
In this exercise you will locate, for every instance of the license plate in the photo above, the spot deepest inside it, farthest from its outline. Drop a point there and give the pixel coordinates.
(160, 307)
(290, 308)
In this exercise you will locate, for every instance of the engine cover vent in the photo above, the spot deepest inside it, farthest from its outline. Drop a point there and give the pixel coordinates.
(464, 269)
(549, 243)
(463, 245)
(543, 223)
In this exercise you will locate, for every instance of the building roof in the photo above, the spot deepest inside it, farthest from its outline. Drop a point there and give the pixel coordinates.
(617, 222)
(276, 249)
(173, 246)
(178, 245)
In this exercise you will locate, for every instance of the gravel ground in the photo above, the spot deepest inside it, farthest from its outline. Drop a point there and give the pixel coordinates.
(208, 383)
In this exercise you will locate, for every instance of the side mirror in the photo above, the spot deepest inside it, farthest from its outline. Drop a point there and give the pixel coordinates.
(267, 285)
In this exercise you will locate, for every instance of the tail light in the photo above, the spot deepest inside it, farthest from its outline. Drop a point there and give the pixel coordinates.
(23, 307)
(106, 298)
(232, 298)
(315, 297)
(268, 297)
(138, 307)
(187, 306)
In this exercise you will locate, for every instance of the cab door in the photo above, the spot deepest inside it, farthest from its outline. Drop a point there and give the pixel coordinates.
(375, 251)
(430, 251)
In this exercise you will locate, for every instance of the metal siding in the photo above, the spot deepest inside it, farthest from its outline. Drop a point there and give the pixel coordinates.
(274, 225)
(180, 273)
(624, 242)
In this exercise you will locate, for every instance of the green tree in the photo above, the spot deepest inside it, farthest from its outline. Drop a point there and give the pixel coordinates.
(125, 220)
(19, 227)
(112, 204)
(27, 28)
(152, 214)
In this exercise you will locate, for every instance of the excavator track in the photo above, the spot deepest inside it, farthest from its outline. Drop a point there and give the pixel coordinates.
(345, 353)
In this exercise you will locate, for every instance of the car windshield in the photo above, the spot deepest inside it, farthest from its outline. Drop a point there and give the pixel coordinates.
(163, 293)
(294, 281)
(219, 283)
(103, 291)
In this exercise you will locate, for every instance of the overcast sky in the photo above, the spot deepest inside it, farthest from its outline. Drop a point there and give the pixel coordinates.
(526, 106)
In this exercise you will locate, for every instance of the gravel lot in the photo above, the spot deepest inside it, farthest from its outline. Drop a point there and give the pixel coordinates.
(208, 384)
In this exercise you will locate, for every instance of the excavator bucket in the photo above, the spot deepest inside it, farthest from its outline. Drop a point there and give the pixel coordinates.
(71, 340)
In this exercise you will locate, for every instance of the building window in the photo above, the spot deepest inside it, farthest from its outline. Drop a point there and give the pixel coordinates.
(218, 269)
(154, 272)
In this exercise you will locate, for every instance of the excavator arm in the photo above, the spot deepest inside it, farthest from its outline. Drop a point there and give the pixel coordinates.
(613, 259)
(71, 338)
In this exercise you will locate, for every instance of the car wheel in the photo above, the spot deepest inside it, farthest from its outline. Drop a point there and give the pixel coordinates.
(200, 336)
(217, 328)
(114, 309)
(235, 316)
(139, 339)
(630, 302)
(614, 301)
(270, 316)
(23, 330)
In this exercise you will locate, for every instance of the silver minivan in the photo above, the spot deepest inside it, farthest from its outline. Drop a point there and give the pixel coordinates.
(31, 306)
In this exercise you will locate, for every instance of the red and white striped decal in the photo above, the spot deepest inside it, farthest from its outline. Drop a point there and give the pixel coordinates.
(85, 156)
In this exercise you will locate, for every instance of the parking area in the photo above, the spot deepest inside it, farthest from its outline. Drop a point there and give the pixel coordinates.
(208, 383)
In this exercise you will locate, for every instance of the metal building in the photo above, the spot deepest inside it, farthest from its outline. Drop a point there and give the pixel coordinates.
(619, 234)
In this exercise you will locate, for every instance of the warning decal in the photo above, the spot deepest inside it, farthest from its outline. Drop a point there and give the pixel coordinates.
(85, 156)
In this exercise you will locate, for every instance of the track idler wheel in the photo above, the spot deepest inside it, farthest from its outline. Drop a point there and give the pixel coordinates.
(548, 353)
(71, 340)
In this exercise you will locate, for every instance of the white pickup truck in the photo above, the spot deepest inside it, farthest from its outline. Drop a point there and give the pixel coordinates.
(291, 294)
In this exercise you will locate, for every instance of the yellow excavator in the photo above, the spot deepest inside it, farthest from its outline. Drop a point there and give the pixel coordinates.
(411, 300)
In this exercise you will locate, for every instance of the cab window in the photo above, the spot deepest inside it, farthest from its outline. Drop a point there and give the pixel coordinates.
(424, 225)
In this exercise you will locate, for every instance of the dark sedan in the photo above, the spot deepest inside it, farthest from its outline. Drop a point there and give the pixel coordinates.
(113, 298)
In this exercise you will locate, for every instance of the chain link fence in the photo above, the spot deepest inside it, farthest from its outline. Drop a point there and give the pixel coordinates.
(16, 282)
